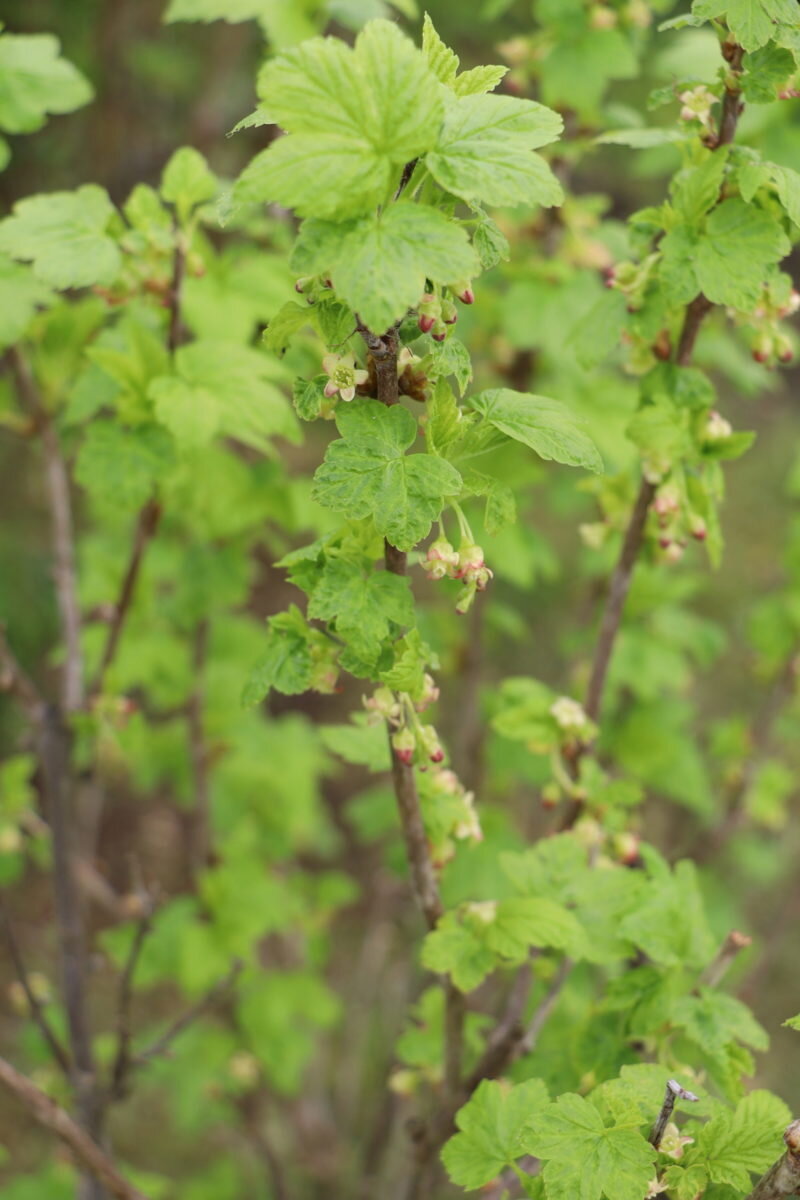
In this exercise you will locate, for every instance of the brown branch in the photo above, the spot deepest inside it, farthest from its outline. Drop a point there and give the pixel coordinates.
(261, 1144)
(674, 1092)
(214, 994)
(38, 1014)
(783, 1178)
(617, 595)
(60, 504)
(92, 1160)
(716, 970)
(545, 1008)
(502, 1046)
(146, 526)
(123, 1059)
(198, 751)
(14, 681)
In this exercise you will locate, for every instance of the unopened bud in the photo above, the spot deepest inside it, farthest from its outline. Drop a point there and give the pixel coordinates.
(439, 331)
(698, 528)
(673, 552)
(463, 289)
(430, 694)
(429, 312)
(449, 312)
(717, 428)
(602, 18)
(404, 745)
(304, 284)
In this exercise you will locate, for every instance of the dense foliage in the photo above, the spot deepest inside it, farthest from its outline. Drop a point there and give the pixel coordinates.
(368, 390)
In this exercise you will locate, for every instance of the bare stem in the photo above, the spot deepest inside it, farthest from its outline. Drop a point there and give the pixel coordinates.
(716, 970)
(38, 1014)
(146, 526)
(198, 750)
(92, 1160)
(123, 1061)
(60, 504)
(162, 1044)
(674, 1092)
(14, 681)
(502, 1046)
(783, 1178)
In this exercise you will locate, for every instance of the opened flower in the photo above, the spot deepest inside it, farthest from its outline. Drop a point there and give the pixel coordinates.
(343, 376)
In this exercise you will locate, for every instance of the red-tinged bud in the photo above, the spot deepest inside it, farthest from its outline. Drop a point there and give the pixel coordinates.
(550, 795)
(602, 18)
(626, 848)
(464, 292)
(784, 348)
(430, 694)
(662, 346)
(665, 542)
(673, 552)
(760, 356)
(449, 312)
(404, 745)
(430, 311)
(610, 277)
(303, 284)
(786, 356)
(439, 331)
(698, 528)
(426, 323)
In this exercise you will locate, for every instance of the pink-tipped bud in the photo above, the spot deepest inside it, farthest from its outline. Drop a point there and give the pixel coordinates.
(464, 292)
(303, 284)
(439, 331)
(449, 312)
(330, 390)
(430, 311)
(698, 528)
(426, 323)
(404, 745)
(665, 542)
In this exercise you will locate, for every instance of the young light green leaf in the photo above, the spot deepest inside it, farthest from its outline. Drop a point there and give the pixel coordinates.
(21, 293)
(442, 61)
(35, 81)
(584, 1157)
(752, 22)
(368, 474)
(479, 80)
(547, 426)
(734, 1145)
(187, 181)
(65, 235)
(492, 1126)
(286, 664)
(354, 118)
(740, 244)
(485, 151)
(379, 264)
(364, 607)
(119, 466)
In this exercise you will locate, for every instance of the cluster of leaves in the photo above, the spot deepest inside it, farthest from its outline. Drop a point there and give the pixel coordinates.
(158, 385)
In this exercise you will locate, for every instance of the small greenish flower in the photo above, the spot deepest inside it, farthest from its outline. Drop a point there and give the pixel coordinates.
(343, 376)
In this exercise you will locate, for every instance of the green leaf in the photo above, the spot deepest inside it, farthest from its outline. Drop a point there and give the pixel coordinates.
(286, 664)
(492, 1126)
(485, 151)
(734, 1145)
(229, 388)
(586, 1159)
(547, 426)
(452, 948)
(363, 607)
(752, 22)
(119, 466)
(187, 181)
(65, 235)
(285, 324)
(215, 10)
(712, 1019)
(308, 396)
(525, 921)
(597, 333)
(733, 258)
(442, 61)
(491, 243)
(479, 80)
(35, 81)
(368, 474)
(787, 182)
(21, 293)
(354, 118)
(379, 265)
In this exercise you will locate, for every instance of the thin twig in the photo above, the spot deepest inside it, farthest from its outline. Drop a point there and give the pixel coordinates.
(716, 970)
(673, 1092)
(146, 526)
(261, 1144)
(14, 681)
(545, 1008)
(92, 1160)
(198, 750)
(60, 504)
(162, 1044)
(123, 1061)
(782, 1179)
(38, 1014)
(503, 1043)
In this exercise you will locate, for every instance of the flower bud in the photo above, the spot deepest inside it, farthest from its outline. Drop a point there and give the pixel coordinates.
(382, 702)
(449, 312)
(404, 745)
(439, 331)
(304, 284)
(569, 715)
(430, 694)
(626, 848)
(463, 289)
(763, 348)
(697, 527)
(440, 559)
(673, 552)
(602, 18)
(594, 535)
(717, 428)
(429, 312)
(431, 744)
(484, 910)
(784, 348)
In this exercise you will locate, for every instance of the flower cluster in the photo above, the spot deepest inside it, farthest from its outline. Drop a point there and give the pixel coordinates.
(436, 312)
(467, 564)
